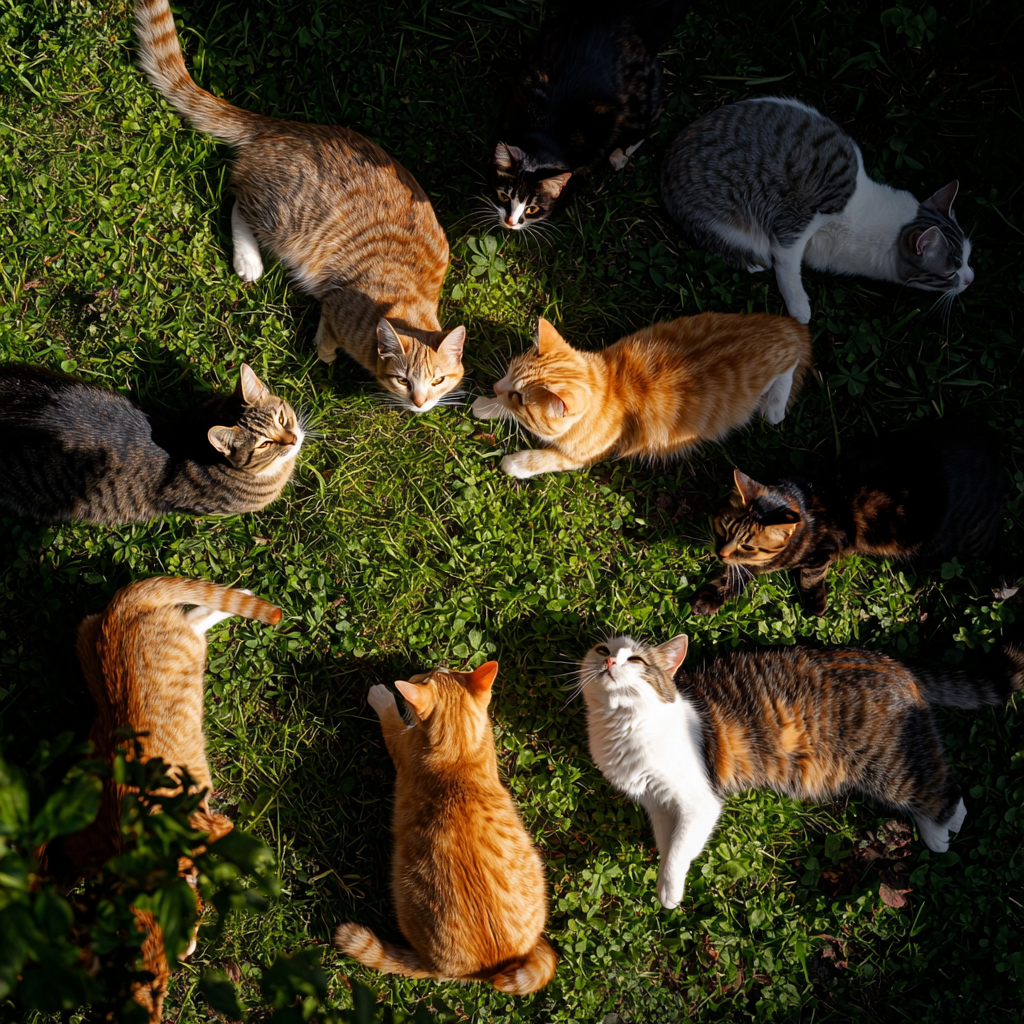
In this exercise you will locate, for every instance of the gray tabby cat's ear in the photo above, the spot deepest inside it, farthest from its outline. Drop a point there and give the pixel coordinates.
(223, 438)
(252, 388)
(389, 344)
(553, 186)
(506, 157)
(669, 656)
(748, 489)
(933, 249)
(452, 344)
(943, 199)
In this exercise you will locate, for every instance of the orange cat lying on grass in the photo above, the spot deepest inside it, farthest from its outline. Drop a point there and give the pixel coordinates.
(467, 881)
(655, 393)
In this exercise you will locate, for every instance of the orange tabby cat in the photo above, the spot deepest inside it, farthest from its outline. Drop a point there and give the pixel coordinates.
(352, 225)
(656, 393)
(467, 881)
(143, 660)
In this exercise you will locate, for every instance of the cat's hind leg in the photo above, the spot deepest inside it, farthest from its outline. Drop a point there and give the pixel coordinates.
(934, 834)
(776, 396)
(246, 256)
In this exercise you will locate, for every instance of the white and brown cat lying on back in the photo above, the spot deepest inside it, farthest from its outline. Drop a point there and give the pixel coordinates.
(655, 393)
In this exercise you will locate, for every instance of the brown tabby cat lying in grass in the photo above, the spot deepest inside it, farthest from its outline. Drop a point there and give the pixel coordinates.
(656, 393)
(467, 881)
(352, 225)
(144, 659)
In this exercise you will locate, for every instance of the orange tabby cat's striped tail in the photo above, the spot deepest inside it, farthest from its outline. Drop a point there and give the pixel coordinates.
(358, 942)
(161, 591)
(528, 973)
(161, 58)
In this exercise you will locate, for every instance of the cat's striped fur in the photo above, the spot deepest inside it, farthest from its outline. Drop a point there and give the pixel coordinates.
(927, 493)
(770, 181)
(352, 226)
(467, 881)
(72, 450)
(655, 393)
(143, 659)
(810, 723)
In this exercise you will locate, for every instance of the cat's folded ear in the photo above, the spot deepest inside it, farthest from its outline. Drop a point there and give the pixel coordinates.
(748, 489)
(452, 343)
(507, 157)
(943, 199)
(669, 655)
(420, 697)
(251, 387)
(481, 679)
(553, 186)
(223, 438)
(389, 344)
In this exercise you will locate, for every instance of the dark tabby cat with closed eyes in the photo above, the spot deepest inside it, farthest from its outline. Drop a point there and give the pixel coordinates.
(926, 493)
(72, 450)
(770, 182)
(590, 92)
(812, 724)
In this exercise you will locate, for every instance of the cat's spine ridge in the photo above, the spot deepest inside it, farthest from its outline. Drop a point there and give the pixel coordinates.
(360, 943)
(161, 58)
(161, 591)
(530, 973)
(962, 688)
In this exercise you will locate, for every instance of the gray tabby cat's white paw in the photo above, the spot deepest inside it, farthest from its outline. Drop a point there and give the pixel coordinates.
(487, 408)
(247, 263)
(380, 698)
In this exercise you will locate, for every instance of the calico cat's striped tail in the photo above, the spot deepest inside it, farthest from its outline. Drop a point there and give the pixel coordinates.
(160, 591)
(360, 943)
(528, 973)
(161, 58)
(1001, 675)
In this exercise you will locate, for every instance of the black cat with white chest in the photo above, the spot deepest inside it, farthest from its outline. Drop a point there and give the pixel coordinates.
(590, 92)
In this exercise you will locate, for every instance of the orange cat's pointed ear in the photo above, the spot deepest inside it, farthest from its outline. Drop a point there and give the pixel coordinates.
(553, 186)
(452, 343)
(421, 698)
(223, 438)
(389, 344)
(548, 339)
(252, 388)
(554, 405)
(669, 656)
(748, 489)
(481, 679)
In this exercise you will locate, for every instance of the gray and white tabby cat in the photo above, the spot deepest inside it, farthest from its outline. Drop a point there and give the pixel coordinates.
(772, 182)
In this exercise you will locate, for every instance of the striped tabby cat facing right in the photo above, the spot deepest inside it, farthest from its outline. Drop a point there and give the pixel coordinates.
(808, 723)
(770, 182)
(352, 226)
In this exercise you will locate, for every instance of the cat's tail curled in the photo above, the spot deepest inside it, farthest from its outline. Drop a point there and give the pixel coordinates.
(160, 591)
(360, 943)
(161, 58)
(1001, 675)
(529, 973)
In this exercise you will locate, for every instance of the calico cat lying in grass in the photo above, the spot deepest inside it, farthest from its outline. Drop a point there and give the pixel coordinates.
(928, 493)
(73, 450)
(352, 226)
(654, 394)
(770, 182)
(811, 724)
(590, 92)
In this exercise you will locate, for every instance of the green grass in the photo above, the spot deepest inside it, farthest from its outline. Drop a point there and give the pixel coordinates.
(402, 545)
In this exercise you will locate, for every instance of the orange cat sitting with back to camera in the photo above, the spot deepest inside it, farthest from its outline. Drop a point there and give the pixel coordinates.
(655, 393)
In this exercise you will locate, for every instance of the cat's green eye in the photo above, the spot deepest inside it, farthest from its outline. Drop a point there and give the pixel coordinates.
(503, 196)
(435, 383)
(603, 651)
(533, 209)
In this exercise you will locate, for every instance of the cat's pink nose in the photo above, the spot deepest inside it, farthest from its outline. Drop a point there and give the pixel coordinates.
(968, 276)
(500, 388)
(608, 663)
(509, 222)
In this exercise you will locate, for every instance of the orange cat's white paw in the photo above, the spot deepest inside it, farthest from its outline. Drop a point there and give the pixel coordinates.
(381, 698)
(486, 408)
(525, 464)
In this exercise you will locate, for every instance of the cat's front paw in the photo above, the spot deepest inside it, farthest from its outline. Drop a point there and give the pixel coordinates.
(670, 892)
(487, 408)
(800, 310)
(815, 602)
(707, 601)
(381, 698)
(247, 263)
(522, 465)
(618, 159)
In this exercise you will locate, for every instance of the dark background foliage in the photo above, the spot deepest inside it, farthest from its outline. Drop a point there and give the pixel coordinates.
(401, 544)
